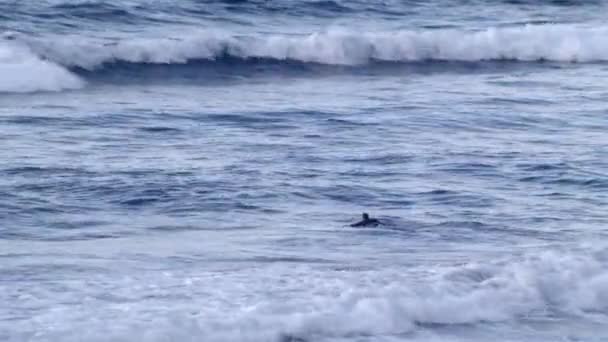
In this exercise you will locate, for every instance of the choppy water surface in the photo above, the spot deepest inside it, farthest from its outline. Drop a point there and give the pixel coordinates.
(187, 171)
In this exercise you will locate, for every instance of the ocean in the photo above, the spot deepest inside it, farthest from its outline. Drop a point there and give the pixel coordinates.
(189, 170)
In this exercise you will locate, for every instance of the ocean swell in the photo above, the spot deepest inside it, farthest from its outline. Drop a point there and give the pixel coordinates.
(54, 62)
(559, 43)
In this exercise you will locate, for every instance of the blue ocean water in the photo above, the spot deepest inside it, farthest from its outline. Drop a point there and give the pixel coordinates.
(188, 170)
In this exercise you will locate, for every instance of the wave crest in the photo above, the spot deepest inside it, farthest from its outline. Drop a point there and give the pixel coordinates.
(559, 43)
(30, 64)
(23, 72)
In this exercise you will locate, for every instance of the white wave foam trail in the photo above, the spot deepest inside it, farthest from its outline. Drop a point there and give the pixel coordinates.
(303, 303)
(21, 71)
(560, 43)
(535, 286)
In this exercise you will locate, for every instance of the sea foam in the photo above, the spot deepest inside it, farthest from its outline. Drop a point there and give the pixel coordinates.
(300, 303)
(559, 43)
(23, 71)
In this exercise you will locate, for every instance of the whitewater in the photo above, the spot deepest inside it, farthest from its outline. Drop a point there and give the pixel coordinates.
(188, 171)
(53, 62)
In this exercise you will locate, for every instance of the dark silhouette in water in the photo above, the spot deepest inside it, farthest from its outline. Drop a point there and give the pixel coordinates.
(366, 222)
(291, 338)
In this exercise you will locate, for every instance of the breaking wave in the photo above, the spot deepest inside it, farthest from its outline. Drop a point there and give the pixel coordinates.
(339, 47)
(532, 288)
(23, 72)
(52, 63)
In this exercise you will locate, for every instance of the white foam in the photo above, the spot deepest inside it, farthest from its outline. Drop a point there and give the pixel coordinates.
(320, 304)
(534, 286)
(29, 64)
(21, 71)
(560, 43)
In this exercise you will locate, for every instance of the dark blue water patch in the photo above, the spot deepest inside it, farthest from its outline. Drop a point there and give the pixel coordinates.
(561, 177)
(223, 68)
(299, 115)
(525, 122)
(532, 179)
(330, 6)
(125, 191)
(556, 195)
(44, 182)
(242, 206)
(476, 225)
(98, 11)
(469, 201)
(139, 201)
(87, 120)
(212, 204)
(560, 3)
(201, 227)
(44, 230)
(509, 101)
(382, 159)
(305, 8)
(254, 121)
(139, 173)
(453, 230)
(438, 193)
(50, 208)
(362, 195)
(256, 194)
(593, 183)
(172, 195)
(383, 231)
(69, 17)
(278, 121)
(378, 174)
(228, 66)
(35, 120)
(159, 129)
(91, 15)
(348, 124)
(544, 219)
(130, 195)
(39, 209)
(197, 259)
(543, 167)
(85, 236)
(291, 337)
(473, 168)
(28, 171)
(317, 8)
(392, 13)
(527, 84)
(456, 199)
(7, 202)
(347, 194)
(304, 195)
(77, 224)
(289, 259)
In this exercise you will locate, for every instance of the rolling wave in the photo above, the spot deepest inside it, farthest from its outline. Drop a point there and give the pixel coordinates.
(63, 58)
(535, 290)
(24, 72)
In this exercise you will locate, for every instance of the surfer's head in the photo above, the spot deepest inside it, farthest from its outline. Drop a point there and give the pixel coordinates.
(365, 216)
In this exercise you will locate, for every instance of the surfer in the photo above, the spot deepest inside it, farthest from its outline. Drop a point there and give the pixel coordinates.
(366, 222)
